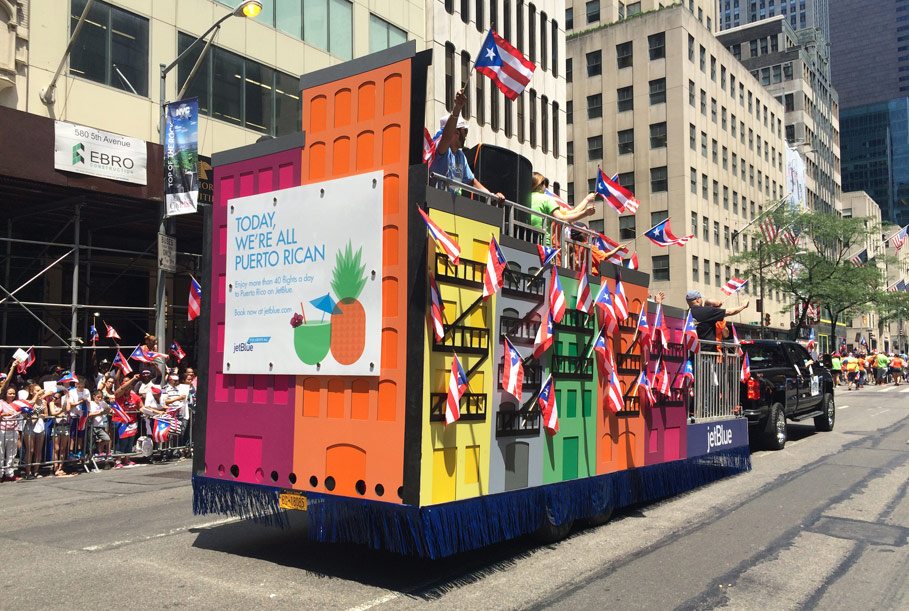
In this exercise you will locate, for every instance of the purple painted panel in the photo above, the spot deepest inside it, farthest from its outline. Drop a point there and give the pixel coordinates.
(665, 421)
(236, 426)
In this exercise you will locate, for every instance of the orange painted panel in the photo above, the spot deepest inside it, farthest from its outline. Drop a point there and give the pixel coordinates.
(394, 95)
(340, 156)
(346, 465)
(311, 392)
(342, 109)
(359, 400)
(366, 102)
(366, 143)
(318, 115)
(335, 398)
(361, 124)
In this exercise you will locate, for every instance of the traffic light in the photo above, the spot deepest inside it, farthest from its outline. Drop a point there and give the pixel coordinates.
(766, 320)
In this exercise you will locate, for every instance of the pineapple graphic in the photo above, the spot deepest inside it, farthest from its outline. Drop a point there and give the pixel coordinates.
(348, 322)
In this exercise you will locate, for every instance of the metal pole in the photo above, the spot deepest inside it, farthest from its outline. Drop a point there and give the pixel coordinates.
(75, 292)
(6, 279)
(161, 293)
(761, 264)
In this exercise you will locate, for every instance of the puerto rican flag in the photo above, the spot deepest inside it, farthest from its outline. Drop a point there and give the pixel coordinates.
(735, 338)
(558, 200)
(614, 399)
(633, 261)
(661, 235)
(494, 277)
(22, 406)
(177, 351)
(583, 302)
(899, 239)
(112, 333)
(548, 407)
(620, 198)
(28, 362)
(547, 254)
(457, 384)
(161, 429)
(145, 356)
(119, 413)
(746, 369)
(437, 309)
(605, 360)
(513, 374)
(122, 364)
(661, 381)
(604, 245)
(449, 246)
(543, 340)
(68, 378)
(620, 303)
(660, 329)
(429, 145)
(687, 376)
(643, 326)
(127, 429)
(505, 65)
(734, 285)
(812, 342)
(194, 304)
(690, 336)
(606, 309)
(556, 297)
(93, 334)
(643, 389)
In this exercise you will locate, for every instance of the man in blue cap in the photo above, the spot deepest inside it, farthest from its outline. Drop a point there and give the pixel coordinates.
(708, 315)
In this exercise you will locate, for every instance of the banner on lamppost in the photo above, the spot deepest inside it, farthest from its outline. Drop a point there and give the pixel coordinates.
(181, 157)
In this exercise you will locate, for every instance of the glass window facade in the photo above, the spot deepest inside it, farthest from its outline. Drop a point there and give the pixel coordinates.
(112, 47)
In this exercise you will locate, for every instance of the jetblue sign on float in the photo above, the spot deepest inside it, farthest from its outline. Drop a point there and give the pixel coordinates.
(711, 437)
(85, 150)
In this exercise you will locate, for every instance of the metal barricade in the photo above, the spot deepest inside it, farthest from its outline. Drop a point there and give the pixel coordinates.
(717, 384)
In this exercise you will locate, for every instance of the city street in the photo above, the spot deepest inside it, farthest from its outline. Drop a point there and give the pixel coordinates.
(822, 524)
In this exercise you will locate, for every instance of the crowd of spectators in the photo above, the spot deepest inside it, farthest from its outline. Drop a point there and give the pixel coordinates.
(60, 423)
(857, 369)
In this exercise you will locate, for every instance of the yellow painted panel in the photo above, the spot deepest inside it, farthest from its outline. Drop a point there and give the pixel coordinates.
(480, 251)
(477, 318)
(478, 382)
(444, 461)
(471, 464)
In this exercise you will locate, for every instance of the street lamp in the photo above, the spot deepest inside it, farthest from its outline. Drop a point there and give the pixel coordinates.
(249, 8)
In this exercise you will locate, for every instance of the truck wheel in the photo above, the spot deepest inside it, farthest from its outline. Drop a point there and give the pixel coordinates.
(551, 533)
(825, 423)
(599, 519)
(775, 433)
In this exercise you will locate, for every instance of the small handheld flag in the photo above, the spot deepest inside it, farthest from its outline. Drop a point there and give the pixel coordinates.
(644, 385)
(548, 407)
(660, 329)
(734, 285)
(28, 362)
(690, 335)
(811, 341)
(746, 369)
(93, 334)
(556, 297)
(505, 65)
(543, 340)
(494, 277)
(547, 254)
(449, 246)
(687, 376)
(68, 378)
(177, 351)
(583, 302)
(661, 381)
(429, 145)
(633, 261)
(643, 326)
(558, 200)
(618, 196)
(437, 309)
(661, 235)
(602, 188)
(620, 304)
(122, 364)
(457, 384)
(605, 308)
(615, 400)
(111, 332)
(195, 300)
(513, 374)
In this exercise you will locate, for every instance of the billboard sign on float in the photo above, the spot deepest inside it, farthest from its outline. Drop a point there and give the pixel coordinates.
(85, 150)
(304, 280)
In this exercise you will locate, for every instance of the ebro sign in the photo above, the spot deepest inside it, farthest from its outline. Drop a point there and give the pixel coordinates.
(85, 150)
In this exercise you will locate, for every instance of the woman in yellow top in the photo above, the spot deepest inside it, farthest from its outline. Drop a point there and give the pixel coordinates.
(850, 366)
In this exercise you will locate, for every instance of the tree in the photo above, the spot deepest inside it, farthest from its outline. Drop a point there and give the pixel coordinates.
(809, 260)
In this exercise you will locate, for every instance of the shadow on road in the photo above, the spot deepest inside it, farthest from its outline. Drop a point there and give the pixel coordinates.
(414, 577)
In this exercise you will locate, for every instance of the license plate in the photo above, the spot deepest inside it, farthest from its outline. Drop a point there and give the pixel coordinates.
(290, 500)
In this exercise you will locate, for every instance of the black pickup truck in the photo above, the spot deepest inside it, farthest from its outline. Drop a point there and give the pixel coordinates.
(785, 383)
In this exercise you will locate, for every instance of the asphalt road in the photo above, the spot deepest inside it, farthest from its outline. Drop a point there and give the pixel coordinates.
(822, 524)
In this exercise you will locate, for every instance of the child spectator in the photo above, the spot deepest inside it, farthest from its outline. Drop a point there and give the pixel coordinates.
(97, 413)
(59, 412)
(9, 432)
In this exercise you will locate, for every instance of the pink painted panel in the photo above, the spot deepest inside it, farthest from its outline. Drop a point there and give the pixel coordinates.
(672, 445)
(235, 430)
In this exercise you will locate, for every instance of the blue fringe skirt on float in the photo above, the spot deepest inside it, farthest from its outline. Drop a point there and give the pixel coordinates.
(435, 531)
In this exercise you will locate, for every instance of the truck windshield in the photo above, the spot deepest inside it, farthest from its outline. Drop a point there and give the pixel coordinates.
(764, 356)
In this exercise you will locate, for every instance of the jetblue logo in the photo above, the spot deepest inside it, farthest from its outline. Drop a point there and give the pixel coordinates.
(243, 347)
(718, 436)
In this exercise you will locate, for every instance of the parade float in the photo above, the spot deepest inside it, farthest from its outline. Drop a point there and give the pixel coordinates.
(335, 319)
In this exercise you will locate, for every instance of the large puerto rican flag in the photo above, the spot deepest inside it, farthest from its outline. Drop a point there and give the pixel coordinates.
(194, 304)
(444, 240)
(733, 285)
(505, 65)
(618, 196)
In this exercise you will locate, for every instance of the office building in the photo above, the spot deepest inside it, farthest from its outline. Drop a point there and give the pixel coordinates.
(660, 102)
(800, 14)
